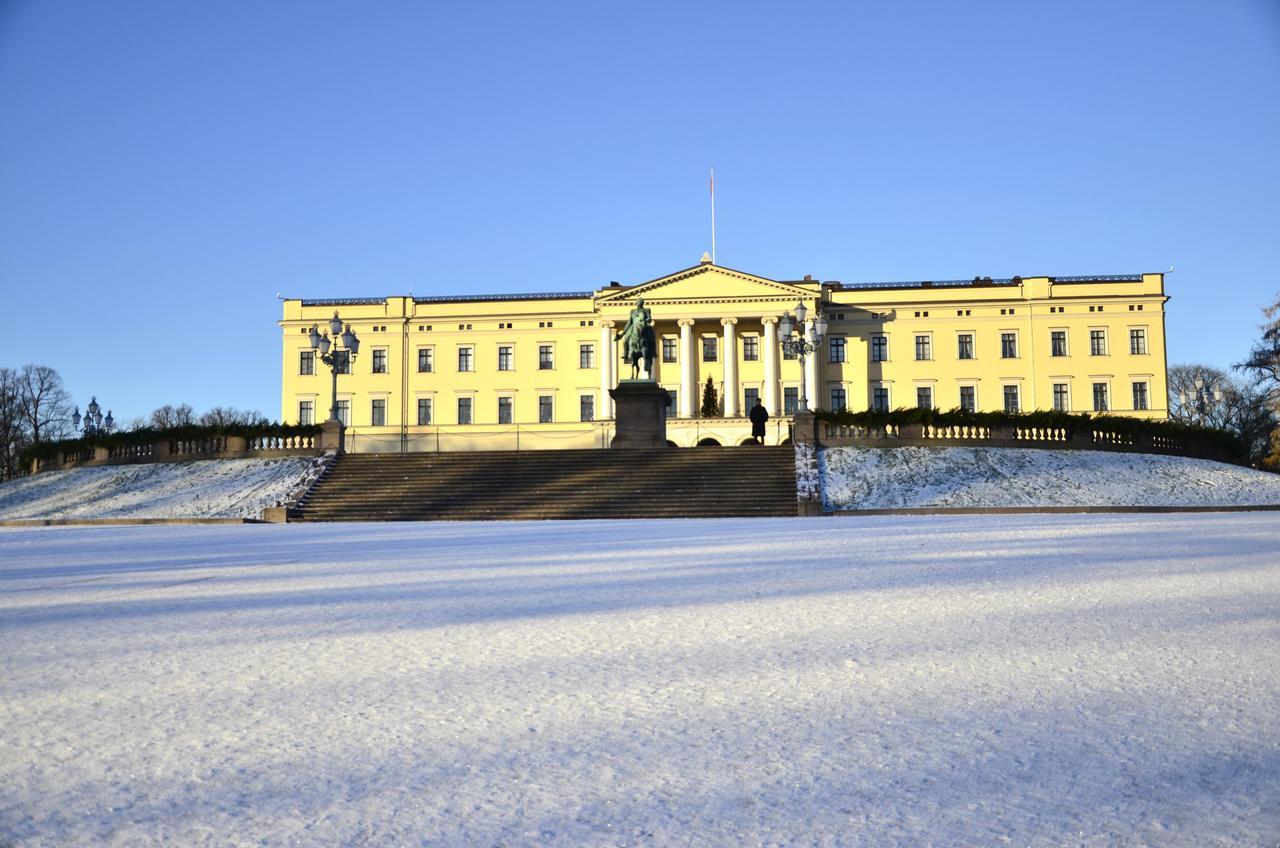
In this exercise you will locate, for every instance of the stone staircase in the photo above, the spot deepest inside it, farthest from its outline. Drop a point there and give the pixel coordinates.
(663, 483)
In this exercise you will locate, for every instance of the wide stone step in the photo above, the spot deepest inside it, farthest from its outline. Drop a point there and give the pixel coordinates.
(591, 484)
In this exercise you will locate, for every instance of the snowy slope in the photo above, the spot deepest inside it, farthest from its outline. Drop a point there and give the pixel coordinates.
(1041, 680)
(215, 488)
(872, 478)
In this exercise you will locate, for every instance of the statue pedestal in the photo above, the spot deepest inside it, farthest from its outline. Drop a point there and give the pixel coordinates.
(640, 414)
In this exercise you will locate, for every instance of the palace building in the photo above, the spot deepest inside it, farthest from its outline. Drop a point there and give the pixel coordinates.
(522, 371)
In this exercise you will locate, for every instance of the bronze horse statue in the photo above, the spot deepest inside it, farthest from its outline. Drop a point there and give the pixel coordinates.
(638, 340)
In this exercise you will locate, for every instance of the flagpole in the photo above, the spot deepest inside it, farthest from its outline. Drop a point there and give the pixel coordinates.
(713, 216)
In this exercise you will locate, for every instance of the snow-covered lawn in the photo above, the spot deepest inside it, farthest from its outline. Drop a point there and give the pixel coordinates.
(212, 488)
(945, 680)
(875, 478)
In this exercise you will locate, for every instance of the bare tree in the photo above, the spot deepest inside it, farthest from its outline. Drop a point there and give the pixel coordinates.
(46, 405)
(172, 416)
(224, 416)
(13, 428)
(1244, 407)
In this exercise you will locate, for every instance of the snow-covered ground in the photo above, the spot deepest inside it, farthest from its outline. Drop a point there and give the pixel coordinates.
(213, 488)
(873, 478)
(1038, 680)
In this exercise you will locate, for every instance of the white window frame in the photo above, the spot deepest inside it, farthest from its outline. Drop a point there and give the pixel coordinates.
(883, 386)
(1053, 381)
(471, 349)
(915, 340)
(1106, 342)
(1066, 342)
(1146, 340)
(1017, 344)
(871, 347)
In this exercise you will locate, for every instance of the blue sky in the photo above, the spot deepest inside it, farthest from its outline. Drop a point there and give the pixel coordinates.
(167, 167)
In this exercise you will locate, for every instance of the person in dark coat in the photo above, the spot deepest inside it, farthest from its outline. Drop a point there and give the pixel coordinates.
(758, 415)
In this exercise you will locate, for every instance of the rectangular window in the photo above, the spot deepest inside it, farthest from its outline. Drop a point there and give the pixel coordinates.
(790, 400)
(586, 359)
(424, 411)
(586, 407)
(464, 410)
(839, 399)
(504, 358)
(1099, 397)
(672, 397)
(307, 363)
(306, 412)
(880, 399)
(749, 398)
(1061, 398)
(544, 409)
(1137, 341)
(964, 346)
(1059, 338)
(1140, 396)
(426, 360)
(378, 412)
(342, 358)
(710, 348)
(504, 410)
(545, 362)
(1097, 342)
(968, 398)
(344, 412)
(879, 348)
(837, 348)
(750, 348)
(1010, 398)
(789, 353)
(924, 347)
(924, 397)
(380, 360)
(1008, 345)
(668, 350)
(465, 361)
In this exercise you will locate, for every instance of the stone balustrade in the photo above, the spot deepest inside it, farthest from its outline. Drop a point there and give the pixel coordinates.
(808, 430)
(166, 449)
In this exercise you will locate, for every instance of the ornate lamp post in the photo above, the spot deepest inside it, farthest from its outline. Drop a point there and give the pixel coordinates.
(94, 423)
(1202, 399)
(800, 346)
(338, 359)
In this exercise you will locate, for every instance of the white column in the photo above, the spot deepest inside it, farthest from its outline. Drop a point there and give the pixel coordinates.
(730, 368)
(688, 370)
(771, 375)
(606, 369)
(812, 369)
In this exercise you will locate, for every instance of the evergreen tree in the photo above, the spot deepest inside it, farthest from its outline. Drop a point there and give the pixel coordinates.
(710, 403)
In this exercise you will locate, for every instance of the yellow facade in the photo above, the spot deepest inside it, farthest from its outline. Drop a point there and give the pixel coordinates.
(529, 368)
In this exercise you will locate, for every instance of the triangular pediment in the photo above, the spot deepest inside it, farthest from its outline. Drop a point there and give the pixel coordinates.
(703, 282)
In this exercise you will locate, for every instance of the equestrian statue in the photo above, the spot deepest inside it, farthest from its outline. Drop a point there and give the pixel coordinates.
(638, 340)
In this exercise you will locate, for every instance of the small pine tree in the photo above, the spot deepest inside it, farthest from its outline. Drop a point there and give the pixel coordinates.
(710, 403)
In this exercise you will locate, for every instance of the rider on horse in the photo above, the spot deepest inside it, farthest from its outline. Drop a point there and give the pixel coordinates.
(638, 339)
